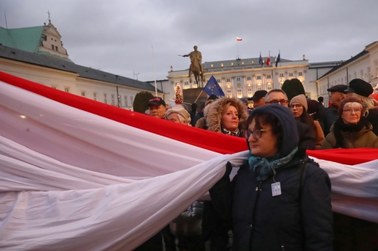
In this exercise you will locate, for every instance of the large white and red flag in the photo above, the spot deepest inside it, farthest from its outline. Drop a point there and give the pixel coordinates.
(78, 174)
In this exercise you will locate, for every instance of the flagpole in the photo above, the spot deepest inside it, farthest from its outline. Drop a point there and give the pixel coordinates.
(153, 62)
(278, 58)
(198, 96)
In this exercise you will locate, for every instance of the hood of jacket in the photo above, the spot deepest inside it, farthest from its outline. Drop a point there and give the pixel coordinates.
(290, 137)
(214, 113)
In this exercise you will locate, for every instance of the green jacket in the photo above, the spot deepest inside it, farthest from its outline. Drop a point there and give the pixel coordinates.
(363, 138)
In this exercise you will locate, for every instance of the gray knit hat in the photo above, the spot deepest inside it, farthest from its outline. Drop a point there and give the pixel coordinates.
(300, 99)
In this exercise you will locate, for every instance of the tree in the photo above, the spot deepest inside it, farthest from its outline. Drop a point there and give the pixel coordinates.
(140, 103)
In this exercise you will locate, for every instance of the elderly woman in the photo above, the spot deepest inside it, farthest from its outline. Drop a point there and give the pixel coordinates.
(178, 114)
(351, 129)
(279, 199)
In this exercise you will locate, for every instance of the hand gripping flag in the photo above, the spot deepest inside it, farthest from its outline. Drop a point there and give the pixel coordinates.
(212, 88)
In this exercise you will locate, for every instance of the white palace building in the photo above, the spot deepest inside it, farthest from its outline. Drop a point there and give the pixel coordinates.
(242, 77)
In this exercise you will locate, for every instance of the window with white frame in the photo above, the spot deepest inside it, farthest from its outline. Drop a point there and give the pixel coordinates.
(125, 100)
(229, 93)
(113, 99)
(105, 98)
(239, 93)
(249, 91)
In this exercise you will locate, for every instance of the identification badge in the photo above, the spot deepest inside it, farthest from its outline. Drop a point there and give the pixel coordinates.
(276, 189)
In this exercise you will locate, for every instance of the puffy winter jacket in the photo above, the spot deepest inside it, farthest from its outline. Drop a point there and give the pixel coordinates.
(298, 219)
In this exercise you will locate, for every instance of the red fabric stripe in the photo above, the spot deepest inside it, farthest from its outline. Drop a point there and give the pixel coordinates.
(205, 139)
(216, 142)
(349, 156)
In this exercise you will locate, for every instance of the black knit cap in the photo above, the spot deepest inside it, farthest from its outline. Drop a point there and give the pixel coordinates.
(289, 125)
(258, 95)
(360, 87)
(293, 87)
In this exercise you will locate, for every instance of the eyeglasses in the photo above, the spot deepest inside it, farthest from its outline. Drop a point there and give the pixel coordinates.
(351, 110)
(257, 133)
(295, 106)
(278, 101)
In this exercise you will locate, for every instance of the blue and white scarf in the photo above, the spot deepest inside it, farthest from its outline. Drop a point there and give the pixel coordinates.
(264, 168)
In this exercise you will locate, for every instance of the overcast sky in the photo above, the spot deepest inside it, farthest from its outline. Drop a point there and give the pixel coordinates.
(142, 39)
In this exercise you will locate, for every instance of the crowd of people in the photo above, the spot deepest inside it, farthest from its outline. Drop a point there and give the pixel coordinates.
(280, 199)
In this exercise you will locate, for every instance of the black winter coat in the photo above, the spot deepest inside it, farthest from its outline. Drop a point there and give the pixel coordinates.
(373, 119)
(298, 219)
(330, 115)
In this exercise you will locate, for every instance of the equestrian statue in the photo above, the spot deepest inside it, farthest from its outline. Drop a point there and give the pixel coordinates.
(195, 66)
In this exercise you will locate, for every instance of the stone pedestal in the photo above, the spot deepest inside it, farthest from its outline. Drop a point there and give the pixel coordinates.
(190, 95)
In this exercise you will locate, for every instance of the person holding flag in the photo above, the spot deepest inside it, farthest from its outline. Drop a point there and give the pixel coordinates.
(225, 116)
(213, 88)
(280, 199)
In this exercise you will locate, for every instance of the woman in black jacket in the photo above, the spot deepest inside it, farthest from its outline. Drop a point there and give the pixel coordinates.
(280, 199)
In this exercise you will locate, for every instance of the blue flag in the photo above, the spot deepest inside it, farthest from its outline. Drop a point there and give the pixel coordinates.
(278, 59)
(212, 88)
(261, 60)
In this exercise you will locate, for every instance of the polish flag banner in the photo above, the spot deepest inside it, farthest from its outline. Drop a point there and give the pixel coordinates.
(268, 61)
(77, 174)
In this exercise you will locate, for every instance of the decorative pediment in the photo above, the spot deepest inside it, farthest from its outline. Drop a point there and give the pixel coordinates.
(51, 30)
(51, 41)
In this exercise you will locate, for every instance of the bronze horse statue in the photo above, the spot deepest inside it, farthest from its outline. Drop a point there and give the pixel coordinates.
(195, 66)
(196, 70)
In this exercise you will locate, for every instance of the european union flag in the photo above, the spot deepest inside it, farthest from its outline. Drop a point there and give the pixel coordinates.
(261, 61)
(278, 59)
(212, 88)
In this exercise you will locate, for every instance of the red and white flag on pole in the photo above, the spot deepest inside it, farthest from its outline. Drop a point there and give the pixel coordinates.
(71, 166)
(268, 60)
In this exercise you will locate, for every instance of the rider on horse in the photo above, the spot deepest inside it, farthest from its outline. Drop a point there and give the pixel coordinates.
(196, 64)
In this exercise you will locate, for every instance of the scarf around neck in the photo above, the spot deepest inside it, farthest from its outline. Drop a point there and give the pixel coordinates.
(237, 132)
(266, 167)
(339, 126)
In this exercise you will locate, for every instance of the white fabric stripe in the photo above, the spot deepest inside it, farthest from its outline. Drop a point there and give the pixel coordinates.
(71, 180)
(89, 141)
(353, 180)
(108, 217)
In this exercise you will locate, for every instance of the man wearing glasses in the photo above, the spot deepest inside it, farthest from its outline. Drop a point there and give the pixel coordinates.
(277, 96)
(307, 138)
